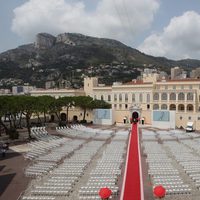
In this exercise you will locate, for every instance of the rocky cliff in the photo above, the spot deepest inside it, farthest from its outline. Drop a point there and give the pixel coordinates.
(67, 53)
(44, 41)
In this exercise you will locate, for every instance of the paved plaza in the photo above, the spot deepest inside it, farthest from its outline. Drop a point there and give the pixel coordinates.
(170, 158)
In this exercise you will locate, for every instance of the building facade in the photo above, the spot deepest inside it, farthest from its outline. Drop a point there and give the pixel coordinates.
(145, 96)
(150, 94)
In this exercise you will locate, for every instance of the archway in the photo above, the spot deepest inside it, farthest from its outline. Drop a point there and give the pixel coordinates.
(63, 117)
(52, 118)
(75, 118)
(135, 117)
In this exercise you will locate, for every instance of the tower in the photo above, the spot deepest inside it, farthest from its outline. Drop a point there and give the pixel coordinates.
(89, 84)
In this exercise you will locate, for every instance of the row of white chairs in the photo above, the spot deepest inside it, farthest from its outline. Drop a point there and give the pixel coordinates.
(45, 163)
(161, 170)
(61, 180)
(108, 169)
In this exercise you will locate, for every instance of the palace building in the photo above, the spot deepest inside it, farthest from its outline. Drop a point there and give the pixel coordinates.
(159, 102)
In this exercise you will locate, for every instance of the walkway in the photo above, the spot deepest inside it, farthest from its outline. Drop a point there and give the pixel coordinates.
(132, 189)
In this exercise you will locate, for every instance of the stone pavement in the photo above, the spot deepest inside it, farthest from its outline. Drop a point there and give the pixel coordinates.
(12, 178)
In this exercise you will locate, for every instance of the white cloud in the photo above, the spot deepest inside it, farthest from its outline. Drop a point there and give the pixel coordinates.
(180, 39)
(118, 19)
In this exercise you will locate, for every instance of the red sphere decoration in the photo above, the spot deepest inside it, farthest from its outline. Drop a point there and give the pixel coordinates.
(159, 191)
(105, 193)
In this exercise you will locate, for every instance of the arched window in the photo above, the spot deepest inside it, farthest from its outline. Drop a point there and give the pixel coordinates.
(155, 107)
(164, 96)
(190, 96)
(126, 97)
(172, 96)
(181, 107)
(133, 97)
(141, 99)
(102, 97)
(148, 98)
(156, 96)
(164, 107)
(115, 97)
(109, 97)
(181, 96)
(190, 107)
(172, 107)
(120, 97)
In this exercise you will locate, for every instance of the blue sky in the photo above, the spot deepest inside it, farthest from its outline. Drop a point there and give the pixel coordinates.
(156, 27)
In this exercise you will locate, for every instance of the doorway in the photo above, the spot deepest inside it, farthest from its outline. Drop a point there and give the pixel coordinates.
(135, 117)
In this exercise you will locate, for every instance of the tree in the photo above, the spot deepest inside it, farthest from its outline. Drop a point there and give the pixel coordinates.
(29, 106)
(43, 106)
(85, 103)
(3, 110)
(100, 104)
(56, 107)
(67, 102)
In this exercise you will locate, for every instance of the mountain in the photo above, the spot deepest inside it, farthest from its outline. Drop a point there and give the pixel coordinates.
(69, 55)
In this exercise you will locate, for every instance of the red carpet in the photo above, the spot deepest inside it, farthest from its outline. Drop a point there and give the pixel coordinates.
(132, 182)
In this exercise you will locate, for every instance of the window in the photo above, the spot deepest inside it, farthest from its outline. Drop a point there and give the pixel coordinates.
(141, 99)
(181, 107)
(181, 117)
(182, 87)
(189, 118)
(155, 107)
(133, 97)
(172, 107)
(126, 97)
(95, 96)
(163, 107)
(126, 106)
(115, 106)
(148, 106)
(181, 96)
(166, 87)
(148, 98)
(164, 96)
(190, 96)
(198, 118)
(109, 97)
(190, 87)
(120, 97)
(174, 87)
(156, 96)
(120, 106)
(102, 97)
(190, 107)
(115, 97)
(172, 96)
